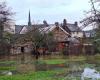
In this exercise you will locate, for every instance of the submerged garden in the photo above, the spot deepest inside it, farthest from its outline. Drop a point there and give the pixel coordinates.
(58, 68)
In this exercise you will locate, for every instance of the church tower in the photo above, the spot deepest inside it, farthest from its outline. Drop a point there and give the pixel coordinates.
(29, 20)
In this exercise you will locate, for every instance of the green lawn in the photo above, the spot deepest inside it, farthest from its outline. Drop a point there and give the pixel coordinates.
(8, 62)
(40, 75)
(55, 61)
(7, 68)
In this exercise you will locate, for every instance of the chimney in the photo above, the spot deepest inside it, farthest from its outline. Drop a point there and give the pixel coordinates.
(76, 23)
(45, 23)
(57, 24)
(64, 22)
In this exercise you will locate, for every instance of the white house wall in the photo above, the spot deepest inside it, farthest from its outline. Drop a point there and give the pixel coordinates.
(77, 34)
(24, 30)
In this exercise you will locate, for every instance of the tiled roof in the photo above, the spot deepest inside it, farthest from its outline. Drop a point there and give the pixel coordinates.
(73, 40)
(72, 27)
(68, 28)
(18, 28)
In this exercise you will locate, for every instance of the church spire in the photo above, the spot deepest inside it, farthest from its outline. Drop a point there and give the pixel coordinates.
(29, 19)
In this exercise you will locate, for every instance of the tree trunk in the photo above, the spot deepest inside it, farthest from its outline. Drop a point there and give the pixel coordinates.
(1, 32)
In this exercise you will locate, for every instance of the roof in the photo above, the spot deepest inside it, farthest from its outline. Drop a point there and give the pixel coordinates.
(46, 29)
(18, 28)
(73, 40)
(50, 28)
(68, 28)
(72, 28)
(24, 30)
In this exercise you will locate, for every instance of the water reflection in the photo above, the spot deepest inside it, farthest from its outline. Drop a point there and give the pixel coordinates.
(71, 68)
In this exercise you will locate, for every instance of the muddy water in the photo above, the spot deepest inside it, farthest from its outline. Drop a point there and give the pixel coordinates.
(31, 64)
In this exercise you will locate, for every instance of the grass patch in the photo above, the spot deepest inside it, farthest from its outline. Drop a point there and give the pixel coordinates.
(8, 62)
(40, 75)
(55, 61)
(7, 65)
(3, 68)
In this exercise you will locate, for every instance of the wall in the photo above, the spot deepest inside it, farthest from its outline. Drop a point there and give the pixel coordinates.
(77, 34)
(59, 34)
(17, 49)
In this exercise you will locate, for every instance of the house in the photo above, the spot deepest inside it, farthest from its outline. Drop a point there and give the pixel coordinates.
(64, 33)
(89, 33)
(88, 41)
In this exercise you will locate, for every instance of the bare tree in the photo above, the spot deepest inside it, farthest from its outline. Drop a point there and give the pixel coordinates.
(94, 16)
(5, 17)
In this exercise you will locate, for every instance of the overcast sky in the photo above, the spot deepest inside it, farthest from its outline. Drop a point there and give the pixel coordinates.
(50, 10)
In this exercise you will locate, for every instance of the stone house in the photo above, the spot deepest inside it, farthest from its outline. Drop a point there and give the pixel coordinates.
(63, 34)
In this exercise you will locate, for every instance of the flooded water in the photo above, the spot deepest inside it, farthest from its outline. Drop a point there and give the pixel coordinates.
(71, 67)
